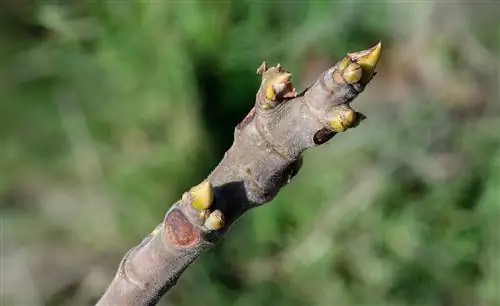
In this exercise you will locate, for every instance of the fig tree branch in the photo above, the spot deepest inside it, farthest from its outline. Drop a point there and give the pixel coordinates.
(265, 155)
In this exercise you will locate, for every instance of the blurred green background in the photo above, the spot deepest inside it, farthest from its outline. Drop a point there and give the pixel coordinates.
(110, 110)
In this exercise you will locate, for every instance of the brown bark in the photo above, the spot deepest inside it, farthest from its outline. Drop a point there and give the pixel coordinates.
(265, 155)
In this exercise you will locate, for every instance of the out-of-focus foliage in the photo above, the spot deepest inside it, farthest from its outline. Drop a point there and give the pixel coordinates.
(110, 110)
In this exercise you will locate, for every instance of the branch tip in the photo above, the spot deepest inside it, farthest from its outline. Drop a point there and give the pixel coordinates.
(368, 60)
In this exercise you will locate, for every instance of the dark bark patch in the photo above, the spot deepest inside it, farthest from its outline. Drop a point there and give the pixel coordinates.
(179, 231)
(323, 136)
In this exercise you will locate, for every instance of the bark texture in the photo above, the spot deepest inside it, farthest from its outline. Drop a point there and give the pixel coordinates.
(265, 155)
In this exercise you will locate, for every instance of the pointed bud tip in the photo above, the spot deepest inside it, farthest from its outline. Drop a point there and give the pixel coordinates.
(373, 55)
(202, 195)
(369, 58)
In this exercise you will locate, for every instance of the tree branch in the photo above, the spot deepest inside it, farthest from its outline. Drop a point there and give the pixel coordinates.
(265, 155)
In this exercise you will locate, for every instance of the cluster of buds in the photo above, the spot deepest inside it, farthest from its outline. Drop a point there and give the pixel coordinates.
(201, 198)
(355, 69)
(276, 86)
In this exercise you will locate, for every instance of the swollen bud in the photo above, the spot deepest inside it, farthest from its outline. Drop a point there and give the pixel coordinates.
(202, 195)
(352, 73)
(215, 220)
(358, 67)
(276, 86)
(342, 118)
(368, 60)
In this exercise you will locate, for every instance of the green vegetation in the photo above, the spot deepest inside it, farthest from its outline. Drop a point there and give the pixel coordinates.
(110, 110)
